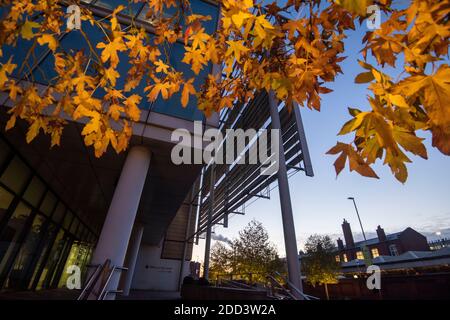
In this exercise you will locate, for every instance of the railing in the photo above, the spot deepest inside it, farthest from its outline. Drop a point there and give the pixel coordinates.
(292, 293)
(275, 289)
(275, 286)
(236, 284)
(100, 278)
(104, 292)
(93, 279)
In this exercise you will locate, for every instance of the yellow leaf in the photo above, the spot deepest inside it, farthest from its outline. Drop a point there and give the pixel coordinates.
(436, 100)
(157, 88)
(239, 18)
(199, 39)
(112, 75)
(6, 69)
(56, 136)
(49, 40)
(261, 25)
(110, 50)
(133, 110)
(195, 58)
(11, 122)
(92, 126)
(235, 49)
(187, 90)
(355, 6)
(27, 29)
(33, 130)
(356, 162)
(410, 142)
(14, 90)
(247, 4)
(115, 111)
(161, 66)
(398, 100)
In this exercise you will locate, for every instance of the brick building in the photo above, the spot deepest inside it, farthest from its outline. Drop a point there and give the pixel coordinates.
(383, 245)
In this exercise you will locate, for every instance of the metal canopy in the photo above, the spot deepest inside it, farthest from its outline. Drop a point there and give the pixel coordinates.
(236, 184)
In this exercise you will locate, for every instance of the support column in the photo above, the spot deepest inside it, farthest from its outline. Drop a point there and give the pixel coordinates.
(208, 227)
(132, 254)
(113, 240)
(290, 240)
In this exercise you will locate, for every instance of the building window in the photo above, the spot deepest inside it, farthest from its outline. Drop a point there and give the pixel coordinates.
(30, 257)
(16, 175)
(359, 255)
(393, 250)
(338, 259)
(5, 200)
(375, 253)
(4, 152)
(35, 191)
(345, 257)
(48, 204)
(10, 238)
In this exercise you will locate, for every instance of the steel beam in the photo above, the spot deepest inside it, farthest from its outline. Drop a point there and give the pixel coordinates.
(290, 240)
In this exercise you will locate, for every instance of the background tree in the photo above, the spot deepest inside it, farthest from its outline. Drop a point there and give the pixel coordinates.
(293, 48)
(319, 263)
(249, 255)
(254, 253)
(220, 262)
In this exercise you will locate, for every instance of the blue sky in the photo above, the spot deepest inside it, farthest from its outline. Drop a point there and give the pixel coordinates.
(320, 203)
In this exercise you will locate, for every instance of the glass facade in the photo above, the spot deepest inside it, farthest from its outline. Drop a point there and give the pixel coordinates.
(43, 71)
(39, 235)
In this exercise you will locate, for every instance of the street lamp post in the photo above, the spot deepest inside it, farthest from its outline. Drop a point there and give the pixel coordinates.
(365, 249)
(357, 213)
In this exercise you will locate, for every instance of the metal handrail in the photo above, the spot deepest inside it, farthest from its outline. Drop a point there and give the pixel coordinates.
(103, 293)
(292, 286)
(280, 286)
(103, 290)
(239, 285)
(96, 276)
(93, 278)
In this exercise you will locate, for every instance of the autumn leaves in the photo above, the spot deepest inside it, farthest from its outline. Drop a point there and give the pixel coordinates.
(295, 50)
(418, 100)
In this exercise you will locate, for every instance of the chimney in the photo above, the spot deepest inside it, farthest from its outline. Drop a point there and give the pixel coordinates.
(349, 242)
(381, 234)
(340, 244)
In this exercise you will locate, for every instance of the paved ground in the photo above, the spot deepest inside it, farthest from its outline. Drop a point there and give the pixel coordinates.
(151, 295)
(65, 294)
(55, 294)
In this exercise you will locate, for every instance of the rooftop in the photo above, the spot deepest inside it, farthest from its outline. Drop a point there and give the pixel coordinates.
(409, 259)
(375, 240)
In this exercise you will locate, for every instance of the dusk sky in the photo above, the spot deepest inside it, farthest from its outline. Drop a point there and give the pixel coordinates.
(320, 203)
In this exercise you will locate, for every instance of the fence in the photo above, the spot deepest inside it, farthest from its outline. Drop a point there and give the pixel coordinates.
(393, 287)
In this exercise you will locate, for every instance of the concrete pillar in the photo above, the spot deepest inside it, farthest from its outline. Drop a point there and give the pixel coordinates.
(290, 240)
(115, 235)
(132, 254)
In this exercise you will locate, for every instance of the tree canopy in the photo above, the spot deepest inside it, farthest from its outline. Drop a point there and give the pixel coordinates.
(250, 253)
(318, 261)
(293, 47)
